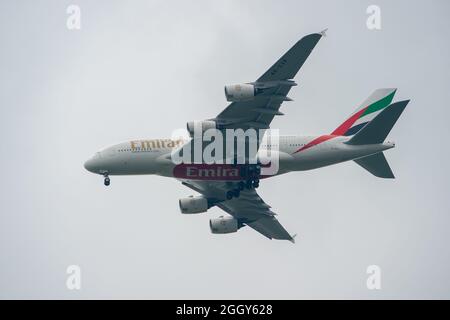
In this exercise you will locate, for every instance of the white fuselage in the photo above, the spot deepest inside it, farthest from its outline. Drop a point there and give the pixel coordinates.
(296, 153)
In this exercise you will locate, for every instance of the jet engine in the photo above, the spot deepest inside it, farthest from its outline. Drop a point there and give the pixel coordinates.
(240, 92)
(223, 225)
(193, 204)
(200, 125)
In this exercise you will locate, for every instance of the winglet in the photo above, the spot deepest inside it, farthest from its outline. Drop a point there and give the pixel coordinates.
(293, 238)
(324, 32)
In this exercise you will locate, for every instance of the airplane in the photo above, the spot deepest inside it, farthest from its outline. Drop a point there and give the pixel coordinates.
(232, 187)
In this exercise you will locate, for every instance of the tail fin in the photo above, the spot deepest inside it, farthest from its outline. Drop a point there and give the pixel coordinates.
(378, 129)
(367, 111)
(377, 165)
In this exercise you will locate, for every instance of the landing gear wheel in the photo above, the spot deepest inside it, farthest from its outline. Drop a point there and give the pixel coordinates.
(241, 185)
(236, 193)
(229, 195)
(107, 181)
(250, 171)
(256, 184)
(249, 184)
(258, 170)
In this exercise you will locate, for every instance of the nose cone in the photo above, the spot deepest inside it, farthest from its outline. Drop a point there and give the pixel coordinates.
(90, 165)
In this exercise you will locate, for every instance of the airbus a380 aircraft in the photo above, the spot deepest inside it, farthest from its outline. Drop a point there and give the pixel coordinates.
(231, 187)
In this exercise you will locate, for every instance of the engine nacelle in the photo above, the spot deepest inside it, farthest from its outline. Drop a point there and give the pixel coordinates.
(240, 92)
(200, 125)
(193, 204)
(223, 225)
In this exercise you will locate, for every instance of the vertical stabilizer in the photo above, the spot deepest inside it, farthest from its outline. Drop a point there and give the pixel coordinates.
(368, 110)
(378, 129)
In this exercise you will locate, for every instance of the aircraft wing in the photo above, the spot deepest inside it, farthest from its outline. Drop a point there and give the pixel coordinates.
(275, 84)
(249, 208)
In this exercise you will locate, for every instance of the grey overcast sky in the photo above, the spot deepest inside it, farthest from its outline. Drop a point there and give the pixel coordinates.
(140, 69)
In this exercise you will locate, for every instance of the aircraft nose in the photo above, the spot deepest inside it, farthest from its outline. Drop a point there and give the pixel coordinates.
(90, 165)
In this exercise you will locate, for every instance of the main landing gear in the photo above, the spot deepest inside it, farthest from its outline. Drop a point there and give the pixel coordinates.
(250, 175)
(233, 194)
(107, 181)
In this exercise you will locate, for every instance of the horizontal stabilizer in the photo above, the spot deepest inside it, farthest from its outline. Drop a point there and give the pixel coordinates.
(378, 129)
(377, 165)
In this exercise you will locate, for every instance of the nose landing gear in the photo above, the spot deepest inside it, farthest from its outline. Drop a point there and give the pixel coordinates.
(107, 181)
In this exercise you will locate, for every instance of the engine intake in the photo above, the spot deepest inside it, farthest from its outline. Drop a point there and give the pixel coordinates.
(223, 225)
(193, 204)
(240, 92)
